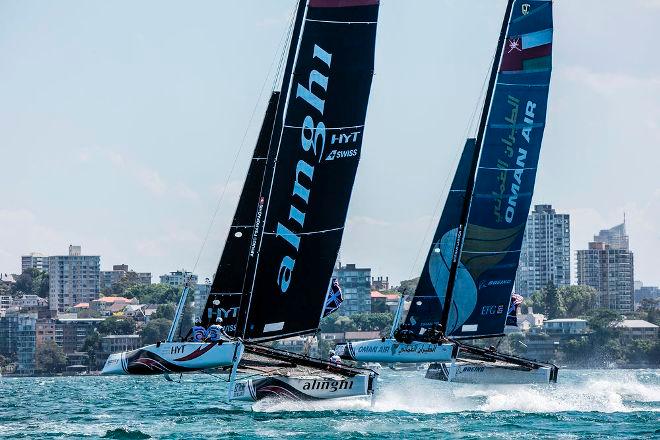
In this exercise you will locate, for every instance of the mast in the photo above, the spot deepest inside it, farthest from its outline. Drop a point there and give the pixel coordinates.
(456, 255)
(270, 165)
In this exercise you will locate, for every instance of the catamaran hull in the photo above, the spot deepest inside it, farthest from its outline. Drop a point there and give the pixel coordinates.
(303, 388)
(483, 373)
(173, 357)
(390, 350)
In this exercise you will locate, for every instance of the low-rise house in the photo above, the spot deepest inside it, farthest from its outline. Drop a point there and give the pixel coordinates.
(30, 302)
(107, 304)
(299, 344)
(382, 302)
(565, 326)
(530, 320)
(637, 329)
(361, 336)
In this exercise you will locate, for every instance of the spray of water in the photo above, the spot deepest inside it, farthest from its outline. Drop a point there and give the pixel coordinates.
(605, 391)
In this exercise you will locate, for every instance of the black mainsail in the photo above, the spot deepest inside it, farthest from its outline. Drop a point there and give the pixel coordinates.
(317, 157)
(276, 266)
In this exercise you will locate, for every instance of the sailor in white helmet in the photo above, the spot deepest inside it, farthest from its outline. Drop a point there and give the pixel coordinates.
(215, 332)
(334, 358)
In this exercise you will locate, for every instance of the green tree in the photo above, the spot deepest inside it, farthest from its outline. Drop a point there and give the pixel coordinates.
(577, 300)
(50, 358)
(553, 302)
(408, 287)
(154, 293)
(31, 282)
(373, 321)
(156, 330)
(92, 346)
(117, 325)
(164, 311)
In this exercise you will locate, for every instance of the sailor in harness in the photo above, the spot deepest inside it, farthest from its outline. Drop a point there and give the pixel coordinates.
(198, 331)
(216, 332)
(334, 358)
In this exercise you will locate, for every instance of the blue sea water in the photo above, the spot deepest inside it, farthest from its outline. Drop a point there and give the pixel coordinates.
(584, 404)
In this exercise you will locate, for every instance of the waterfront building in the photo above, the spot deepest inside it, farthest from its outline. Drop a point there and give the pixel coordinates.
(45, 331)
(608, 266)
(74, 278)
(637, 329)
(178, 278)
(34, 260)
(355, 285)
(70, 333)
(565, 326)
(5, 302)
(18, 339)
(546, 252)
(116, 344)
(383, 303)
(108, 305)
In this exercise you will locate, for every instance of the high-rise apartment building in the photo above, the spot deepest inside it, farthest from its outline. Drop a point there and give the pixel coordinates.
(355, 284)
(74, 278)
(545, 256)
(34, 261)
(608, 266)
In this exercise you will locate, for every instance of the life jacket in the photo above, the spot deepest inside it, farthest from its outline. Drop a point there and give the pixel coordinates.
(198, 333)
(214, 333)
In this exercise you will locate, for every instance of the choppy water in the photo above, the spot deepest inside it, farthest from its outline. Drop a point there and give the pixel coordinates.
(585, 404)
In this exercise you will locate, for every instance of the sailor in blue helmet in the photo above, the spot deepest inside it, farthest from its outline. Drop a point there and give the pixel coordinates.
(198, 332)
(216, 332)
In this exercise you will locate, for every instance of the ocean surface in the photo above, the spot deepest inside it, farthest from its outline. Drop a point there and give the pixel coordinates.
(584, 404)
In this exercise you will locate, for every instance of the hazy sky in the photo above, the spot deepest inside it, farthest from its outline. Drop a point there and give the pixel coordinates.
(119, 123)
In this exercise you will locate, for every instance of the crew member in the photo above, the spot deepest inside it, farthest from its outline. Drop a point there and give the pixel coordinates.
(198, 332)
(216, 332)
(334, 358)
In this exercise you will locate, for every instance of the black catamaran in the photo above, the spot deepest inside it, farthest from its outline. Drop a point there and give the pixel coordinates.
(467, 280)
(276, 266)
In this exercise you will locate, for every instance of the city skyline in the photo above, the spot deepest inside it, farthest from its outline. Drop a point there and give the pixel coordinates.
(127, 127)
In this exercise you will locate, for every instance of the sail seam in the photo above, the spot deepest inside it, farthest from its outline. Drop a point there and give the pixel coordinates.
(341, 22)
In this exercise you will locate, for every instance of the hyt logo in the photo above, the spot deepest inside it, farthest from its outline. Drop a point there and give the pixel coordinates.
(339, 154)
(525, 8)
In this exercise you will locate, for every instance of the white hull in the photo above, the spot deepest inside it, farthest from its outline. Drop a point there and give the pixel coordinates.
(302, 388)
(173, 357)
(476, 372)
(390, 350)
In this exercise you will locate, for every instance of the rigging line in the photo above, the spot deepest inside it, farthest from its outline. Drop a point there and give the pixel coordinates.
(468, 129)
(242, 144)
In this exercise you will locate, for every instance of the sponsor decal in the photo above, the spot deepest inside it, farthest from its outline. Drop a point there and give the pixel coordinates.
(492, 283)
(472, 369)
(257, 223)
(177, 349)
(490, 310)
(340, 154)
(312, 138)
(525, 8)
(328, 384)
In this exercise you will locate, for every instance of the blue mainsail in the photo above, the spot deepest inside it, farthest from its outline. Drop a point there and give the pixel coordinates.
(506, 174)
(501, 191)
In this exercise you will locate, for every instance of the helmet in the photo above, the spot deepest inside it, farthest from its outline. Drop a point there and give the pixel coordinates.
(218, 320)
(198, 321)
(332, 352)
